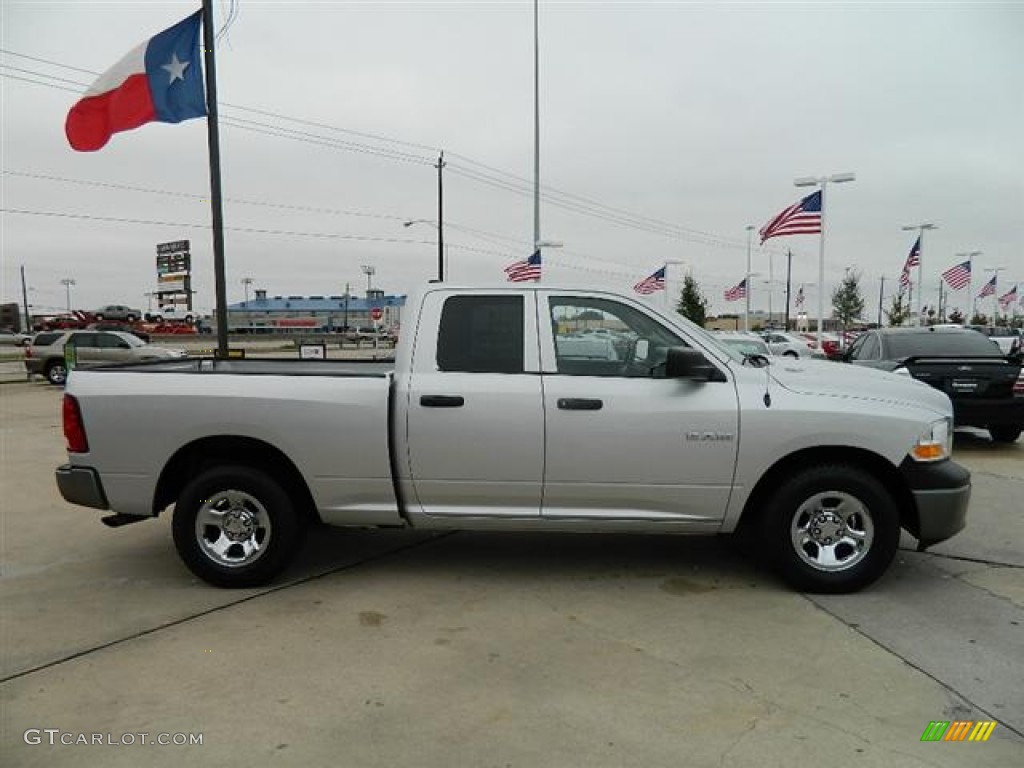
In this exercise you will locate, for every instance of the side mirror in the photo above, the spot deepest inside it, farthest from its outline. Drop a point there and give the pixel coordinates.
(689, 363)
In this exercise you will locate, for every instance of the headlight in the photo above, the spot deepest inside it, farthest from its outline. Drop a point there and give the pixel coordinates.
(936, 443)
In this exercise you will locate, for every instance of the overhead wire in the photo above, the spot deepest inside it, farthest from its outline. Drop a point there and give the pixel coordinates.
(496, 178)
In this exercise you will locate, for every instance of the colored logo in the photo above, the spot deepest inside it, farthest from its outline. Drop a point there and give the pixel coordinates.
(958, 730)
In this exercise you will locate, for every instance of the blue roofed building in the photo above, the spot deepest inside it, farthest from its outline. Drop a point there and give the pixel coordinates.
(326, 314)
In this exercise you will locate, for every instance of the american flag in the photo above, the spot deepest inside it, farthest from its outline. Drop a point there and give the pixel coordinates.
(1008, 298)
(989, 288)
(913, 260)
(525, 270)
(958, 276)
(800, 299)
(655, 282)
(738, 291)
(803, 218)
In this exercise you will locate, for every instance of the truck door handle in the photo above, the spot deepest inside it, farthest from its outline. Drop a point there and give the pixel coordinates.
(442, 401)
(579, 404)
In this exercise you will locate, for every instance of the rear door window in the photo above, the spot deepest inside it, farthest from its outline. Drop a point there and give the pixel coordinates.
(481, 334)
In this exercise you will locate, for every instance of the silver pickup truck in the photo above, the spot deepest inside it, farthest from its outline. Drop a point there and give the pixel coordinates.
(522, 408)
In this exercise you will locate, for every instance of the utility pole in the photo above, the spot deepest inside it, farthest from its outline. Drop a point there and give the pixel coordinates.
(440, 217)
(24, 299)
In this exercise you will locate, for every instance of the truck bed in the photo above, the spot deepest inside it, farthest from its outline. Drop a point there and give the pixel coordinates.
(268, 366)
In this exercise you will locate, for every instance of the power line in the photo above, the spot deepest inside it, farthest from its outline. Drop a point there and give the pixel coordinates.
(496, 178)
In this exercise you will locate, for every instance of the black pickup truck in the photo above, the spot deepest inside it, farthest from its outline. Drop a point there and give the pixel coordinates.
(985, 385)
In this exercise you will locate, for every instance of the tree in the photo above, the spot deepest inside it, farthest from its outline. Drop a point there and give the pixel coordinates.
(980, 318)
(847, 302)
(899, 311)
(692, 305)
(956, 316)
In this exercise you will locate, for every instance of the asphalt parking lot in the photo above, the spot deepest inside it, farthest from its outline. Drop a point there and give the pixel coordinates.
(395, 648)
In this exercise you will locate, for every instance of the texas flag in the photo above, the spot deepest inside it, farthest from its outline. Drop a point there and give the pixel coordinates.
(160, 80)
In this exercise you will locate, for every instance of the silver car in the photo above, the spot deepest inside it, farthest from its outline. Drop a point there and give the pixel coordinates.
(47, 356)
(9, 338)
(788, 345)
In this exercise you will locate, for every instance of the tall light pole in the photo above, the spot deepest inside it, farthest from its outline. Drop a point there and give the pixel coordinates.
(920, 262)
(746, 278)
(369, 272)
(67, 282)
(442, 247)
(823, 182)
(970, 278)
(246, 282)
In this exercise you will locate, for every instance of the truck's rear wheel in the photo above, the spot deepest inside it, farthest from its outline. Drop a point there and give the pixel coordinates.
(832, 528)
(235, 526)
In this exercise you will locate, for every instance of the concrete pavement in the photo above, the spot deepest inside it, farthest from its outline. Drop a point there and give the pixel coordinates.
(396, 648)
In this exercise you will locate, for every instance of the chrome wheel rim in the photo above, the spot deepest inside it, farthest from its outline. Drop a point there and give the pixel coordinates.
(233, 528)
(832, 531)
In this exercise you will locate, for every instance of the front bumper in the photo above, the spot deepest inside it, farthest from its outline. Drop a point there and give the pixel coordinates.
(941, 492)
(82, 486)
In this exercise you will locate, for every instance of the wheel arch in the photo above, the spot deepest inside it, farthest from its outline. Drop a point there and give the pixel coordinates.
(877, 466)
(226, 450)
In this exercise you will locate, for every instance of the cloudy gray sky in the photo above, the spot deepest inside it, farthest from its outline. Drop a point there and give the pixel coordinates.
(666, 128)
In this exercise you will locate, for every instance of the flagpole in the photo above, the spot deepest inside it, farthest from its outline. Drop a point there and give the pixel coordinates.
(536, 128)
(213, 140)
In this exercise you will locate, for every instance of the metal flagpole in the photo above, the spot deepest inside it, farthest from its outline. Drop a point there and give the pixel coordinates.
(536, 129)
(440, 217)
(920, 263)
(746, 312)
(213, 139)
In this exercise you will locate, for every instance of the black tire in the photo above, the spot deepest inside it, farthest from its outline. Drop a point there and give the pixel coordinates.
(1005, 433)
(131, 318)
(158, 318)
(56, 372)
(832, 528)
(252, 533)
(99, 315)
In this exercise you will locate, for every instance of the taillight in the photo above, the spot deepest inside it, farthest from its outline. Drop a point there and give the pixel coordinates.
(74, 428)
(1018, 387)
(28, 351)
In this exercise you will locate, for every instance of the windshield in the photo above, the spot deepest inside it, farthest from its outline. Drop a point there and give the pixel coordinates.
(133, 341)
(970, 344)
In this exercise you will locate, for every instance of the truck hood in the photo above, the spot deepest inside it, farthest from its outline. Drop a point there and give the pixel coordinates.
(852, 382)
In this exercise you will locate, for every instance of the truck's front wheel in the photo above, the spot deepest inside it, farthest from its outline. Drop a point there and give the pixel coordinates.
(832, 528)
(236, 527)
